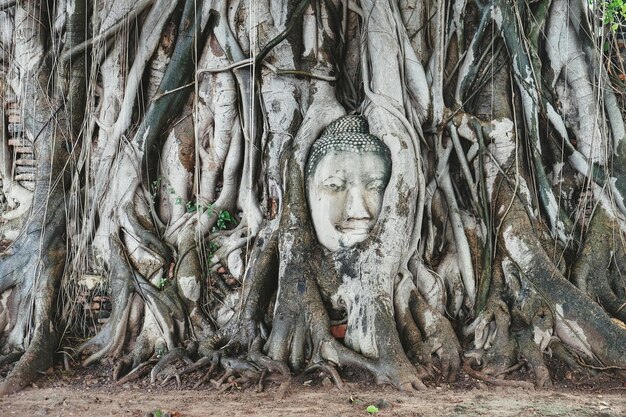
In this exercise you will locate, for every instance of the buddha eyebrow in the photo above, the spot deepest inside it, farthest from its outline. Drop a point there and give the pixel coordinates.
(339, 171)
(331, 177)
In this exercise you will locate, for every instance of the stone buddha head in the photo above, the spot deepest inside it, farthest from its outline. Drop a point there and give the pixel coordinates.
(346, 175)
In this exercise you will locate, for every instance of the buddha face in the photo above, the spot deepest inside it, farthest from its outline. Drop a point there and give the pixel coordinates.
(345, 193)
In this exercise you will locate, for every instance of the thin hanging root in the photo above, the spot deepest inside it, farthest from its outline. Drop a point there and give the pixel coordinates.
(471, 63)
(149, 39)
(494, 381)
(464, 255)
(467, 173)
(107, 33)
(525, 79)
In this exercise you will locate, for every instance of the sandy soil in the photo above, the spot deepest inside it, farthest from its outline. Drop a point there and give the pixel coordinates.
(94, 394)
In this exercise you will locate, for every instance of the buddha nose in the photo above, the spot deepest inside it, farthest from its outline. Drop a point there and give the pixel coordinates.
(356, 206)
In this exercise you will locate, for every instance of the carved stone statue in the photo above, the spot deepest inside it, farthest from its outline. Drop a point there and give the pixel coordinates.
(346, 175)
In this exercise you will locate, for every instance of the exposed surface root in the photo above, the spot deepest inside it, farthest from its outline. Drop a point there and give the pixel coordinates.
(140, 370)
(165, 365)
(328, 369)
(495, 381)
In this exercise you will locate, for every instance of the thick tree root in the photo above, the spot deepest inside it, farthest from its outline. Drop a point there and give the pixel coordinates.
(329, 369)
(165, 365)
(237, 372)
(560, 352)
(495, 381)
(36, 292)
(426, 332)
(439, 337)
(10, 358)
(139, 371)
(598, 271)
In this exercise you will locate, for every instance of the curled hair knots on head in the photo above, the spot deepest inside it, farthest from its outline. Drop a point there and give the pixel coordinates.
(346, 134)
(347, 124)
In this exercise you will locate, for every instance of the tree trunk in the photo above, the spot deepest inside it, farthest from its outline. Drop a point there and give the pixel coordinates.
(276, 186)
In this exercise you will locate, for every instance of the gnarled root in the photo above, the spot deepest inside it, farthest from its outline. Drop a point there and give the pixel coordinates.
(598, 271)
(154, 321)
(33, 337)
(425, 331)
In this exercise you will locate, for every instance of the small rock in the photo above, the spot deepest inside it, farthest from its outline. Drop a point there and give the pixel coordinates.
(91, 381)
(59, 403)
(382, 404)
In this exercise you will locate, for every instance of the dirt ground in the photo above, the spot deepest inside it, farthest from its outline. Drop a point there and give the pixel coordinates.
(92, 393)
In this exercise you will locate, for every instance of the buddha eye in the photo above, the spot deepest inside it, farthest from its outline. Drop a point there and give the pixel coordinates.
(334, 184)
(335, 187)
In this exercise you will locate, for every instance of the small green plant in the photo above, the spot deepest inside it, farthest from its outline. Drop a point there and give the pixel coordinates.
(372, 409)
(613, 12)
(162, 282)
(223, 219)
(213, 247)
(156, 184)
(157, 413)
(193, 207)
(159, 351)
(154, 187)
